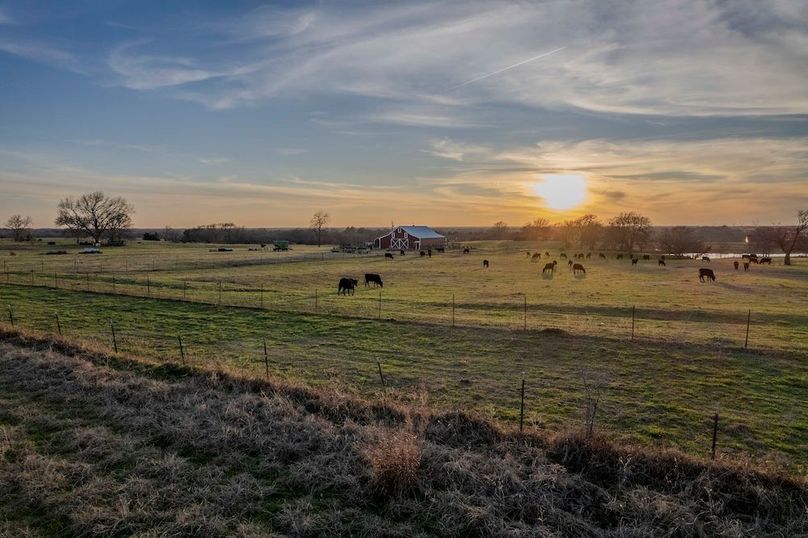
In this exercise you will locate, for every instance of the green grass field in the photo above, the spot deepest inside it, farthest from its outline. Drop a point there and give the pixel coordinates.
(660, 389)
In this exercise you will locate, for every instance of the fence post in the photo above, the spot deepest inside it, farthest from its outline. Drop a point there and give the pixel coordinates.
(522, 408)
(266, 358)
(58, 324)
(114, 337)
(453, 310)
(88, 281)
(32, 277)
(380, 304)
(11, 315)
(262, 296)
(182, 349)
(114, 289)
(715, 432)
(633, 311)
(748, 319)
(381, 376)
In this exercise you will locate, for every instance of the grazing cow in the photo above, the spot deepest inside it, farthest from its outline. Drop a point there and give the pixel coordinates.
(546, 253)
(634, 261)
(745, 266)
(705, 259)
(402, 252)
(423, 253)
(564, 255)
(440, 249)
(347, 286)
(588, 255)
(703, 272)
(736, 264)
(549, 267)
(619, 257)
(466, 250)
(602, 256)
(535, 257)
(765, 260)
(578, 267)
(569, 264)
(485, 264)
(745, 256)
(661, 262)
(528, 254)
(662, 257)
(375, 278)
(646, 256)
(429, 252)
(388, 255)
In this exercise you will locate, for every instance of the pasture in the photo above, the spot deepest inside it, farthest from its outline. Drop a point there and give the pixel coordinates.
(661, 389)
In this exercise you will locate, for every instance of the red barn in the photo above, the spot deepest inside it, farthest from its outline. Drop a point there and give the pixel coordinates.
(410, 238)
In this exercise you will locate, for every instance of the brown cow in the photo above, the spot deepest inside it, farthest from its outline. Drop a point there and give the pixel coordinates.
(735, 264)
(485, 264)
(745, 266)
(549, 267)
(703, 272)
(661, 262)
(578, 267)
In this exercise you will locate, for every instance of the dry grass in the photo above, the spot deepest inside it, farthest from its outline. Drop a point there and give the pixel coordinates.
(92, 444)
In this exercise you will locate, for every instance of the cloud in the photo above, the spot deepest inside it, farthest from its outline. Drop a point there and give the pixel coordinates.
(213, 161)
(42, 53)
(5, 18)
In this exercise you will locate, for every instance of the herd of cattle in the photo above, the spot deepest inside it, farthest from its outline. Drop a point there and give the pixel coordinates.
(347, 285)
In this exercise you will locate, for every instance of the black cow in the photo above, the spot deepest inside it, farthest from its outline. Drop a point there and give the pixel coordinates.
(705, 259)
(546, 253)
(402, 252)
(736, 264)
(765, 260)
(602, 256)
(703, 272)
(440, 249)
(485, 264)
(388, 255)
(347, 286)
(646, 256)
(588, 255)
(376, 279)
(549, 267)
(578, 267)
(634, 261)
(466, 250)
(569, 264)
(535, 257)
(745, 266)
(661, 262)
(429, 252)
(423, 253)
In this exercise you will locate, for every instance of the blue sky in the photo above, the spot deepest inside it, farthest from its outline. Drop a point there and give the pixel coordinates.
(444, 113)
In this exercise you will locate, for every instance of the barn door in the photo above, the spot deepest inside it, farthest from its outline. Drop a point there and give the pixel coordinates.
(399, 243)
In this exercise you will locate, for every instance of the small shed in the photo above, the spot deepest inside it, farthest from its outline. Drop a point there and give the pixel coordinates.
(410, 238)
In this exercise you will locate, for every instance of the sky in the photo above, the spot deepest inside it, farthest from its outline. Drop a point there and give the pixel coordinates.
(437, 113)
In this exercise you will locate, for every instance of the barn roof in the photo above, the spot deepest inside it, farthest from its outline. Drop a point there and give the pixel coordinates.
(422, 232)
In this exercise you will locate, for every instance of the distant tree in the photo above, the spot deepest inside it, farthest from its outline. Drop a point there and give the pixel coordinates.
(793, 237)
(318, 222)
(628, 230)
(95, 214)
(567, 233)
(681, 240)
(590, 231)
(499, 230)
(764, 239)
(538, 228)
(151, 236)
(20, 227)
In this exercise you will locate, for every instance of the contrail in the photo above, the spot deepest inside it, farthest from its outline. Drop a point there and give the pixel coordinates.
(497, 72)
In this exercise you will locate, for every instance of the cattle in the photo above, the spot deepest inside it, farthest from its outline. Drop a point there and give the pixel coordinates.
(485, 264)
(466, 250)
(535, 257)
(347, 286)
(745, 266)
(634, 261)
(528, 254)
(423, 253)
(549, 267)
(704, 272)
(662, 257)
(546, 253)
(402, 252)
(602, 256)
(569, 264)
(619, 257)
(388, 255)
(429, 252)
(646, 256)
(736, 264)
(588, 255)
(440, 249)
(564, 255)
(375, 278)
(765, 260)
(578, 267)
(661, 262)
(705, 259)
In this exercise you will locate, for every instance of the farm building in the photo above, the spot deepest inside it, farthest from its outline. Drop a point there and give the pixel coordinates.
(410, 238)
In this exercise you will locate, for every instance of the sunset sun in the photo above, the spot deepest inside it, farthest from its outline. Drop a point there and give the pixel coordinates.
(561, 191)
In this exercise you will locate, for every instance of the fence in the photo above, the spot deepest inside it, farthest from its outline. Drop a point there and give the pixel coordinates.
(516, 311)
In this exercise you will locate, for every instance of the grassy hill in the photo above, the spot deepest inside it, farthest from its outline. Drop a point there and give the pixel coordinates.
(97, 443)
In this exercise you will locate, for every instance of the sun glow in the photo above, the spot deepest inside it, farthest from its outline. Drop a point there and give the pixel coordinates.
(562, 191)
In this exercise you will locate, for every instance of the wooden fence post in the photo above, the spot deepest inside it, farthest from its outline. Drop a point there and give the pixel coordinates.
(715, 432)
(453, 310)
(32, 277)
(748, 319)
(114, 289)
(148, 286)
(633, 311)
(380, 304)
(316, 306)
(58, 324)
(11, 315)
(262, 296)
(381, 376)
(182, 349)
(114, 337)
(266, 358)
(522, 408)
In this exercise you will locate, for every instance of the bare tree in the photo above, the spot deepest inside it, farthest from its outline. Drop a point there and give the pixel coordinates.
(95, 214)
(20, 227)
(538, 228)
(628, 230)
(318, 222)
(680, 240)
(793, 237)
(590, 230)
(500, 230)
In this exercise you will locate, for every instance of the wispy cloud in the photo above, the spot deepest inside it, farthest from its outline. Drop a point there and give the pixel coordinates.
(41, 52)
(508, 68)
